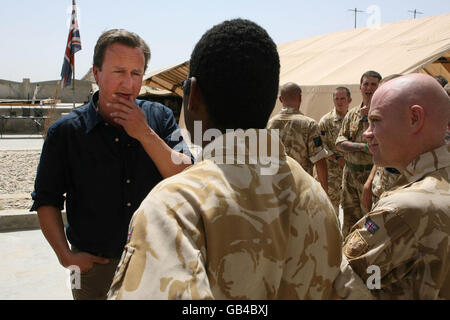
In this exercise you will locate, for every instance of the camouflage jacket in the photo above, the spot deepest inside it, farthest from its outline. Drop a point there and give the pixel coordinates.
(383, 180)
(329, 126)
(407, 234)
(352, 130)
(300, 136)
(227, 230)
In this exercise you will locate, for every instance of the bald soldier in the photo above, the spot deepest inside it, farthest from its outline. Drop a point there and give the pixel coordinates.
(330, 125)
(300, 134)
(239, 224)
(380, 179)
(404, 240)
(358, 160)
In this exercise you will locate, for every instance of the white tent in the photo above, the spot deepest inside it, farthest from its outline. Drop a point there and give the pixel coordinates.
(320, 64)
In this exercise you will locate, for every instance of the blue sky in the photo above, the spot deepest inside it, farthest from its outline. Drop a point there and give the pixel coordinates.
(34, 33)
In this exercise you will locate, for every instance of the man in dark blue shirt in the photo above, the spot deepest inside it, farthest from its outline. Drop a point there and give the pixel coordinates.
(105, 157)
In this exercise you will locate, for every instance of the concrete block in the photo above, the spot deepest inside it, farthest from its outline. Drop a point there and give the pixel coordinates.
(12, 220)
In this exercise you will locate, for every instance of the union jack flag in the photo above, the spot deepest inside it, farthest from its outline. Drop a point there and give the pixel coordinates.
(73, 46)
(371, 226)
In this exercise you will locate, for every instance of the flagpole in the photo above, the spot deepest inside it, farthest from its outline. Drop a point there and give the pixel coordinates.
(73, 83)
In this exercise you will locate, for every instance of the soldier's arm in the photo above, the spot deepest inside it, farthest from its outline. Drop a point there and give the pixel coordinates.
(379, 244)
(324, 136)
(343, 143)
(367, 190)
(349, 286)
(348, 146)
(322, 173)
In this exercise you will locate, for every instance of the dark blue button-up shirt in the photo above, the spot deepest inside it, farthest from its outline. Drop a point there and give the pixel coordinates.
(104, 173)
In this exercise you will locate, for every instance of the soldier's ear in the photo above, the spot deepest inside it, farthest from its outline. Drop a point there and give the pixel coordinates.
(195, 103)
(416, 118)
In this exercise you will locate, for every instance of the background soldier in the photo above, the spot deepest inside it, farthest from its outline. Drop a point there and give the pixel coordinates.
(300, 134)
(330, 125)
(358, 160)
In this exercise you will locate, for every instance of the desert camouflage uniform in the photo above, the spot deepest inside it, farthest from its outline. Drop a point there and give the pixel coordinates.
(300, 136)
(231, 231)
(407, 234)
(329, 126)
(383, 180)
(353, 180)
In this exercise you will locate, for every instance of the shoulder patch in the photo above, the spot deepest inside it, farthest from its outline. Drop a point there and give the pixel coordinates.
(317, 141)
(371, 226)
(355, 246)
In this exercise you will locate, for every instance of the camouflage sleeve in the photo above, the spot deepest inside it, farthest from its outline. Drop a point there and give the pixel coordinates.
(161, 259)
(316, 150)
(344, 133)
(324, 136)
(381, 241)
(348, 285)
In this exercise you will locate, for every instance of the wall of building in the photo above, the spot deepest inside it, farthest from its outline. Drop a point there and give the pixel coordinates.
(25, 90)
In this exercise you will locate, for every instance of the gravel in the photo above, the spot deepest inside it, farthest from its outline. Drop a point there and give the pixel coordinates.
(17, 174)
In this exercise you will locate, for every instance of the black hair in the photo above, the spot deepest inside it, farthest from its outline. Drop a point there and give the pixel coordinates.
(237, 68)
(372, 74)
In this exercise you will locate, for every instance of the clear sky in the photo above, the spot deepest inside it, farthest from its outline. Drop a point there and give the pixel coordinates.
(34, 33)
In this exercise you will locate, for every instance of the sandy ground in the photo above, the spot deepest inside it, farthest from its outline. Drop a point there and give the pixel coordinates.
(29, 269)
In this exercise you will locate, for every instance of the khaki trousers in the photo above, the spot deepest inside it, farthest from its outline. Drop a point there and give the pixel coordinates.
(95, 283)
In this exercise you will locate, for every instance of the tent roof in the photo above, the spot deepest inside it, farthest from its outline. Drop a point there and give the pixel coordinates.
(168, 78)
(147, 90)
(415, 45)
(340, 58)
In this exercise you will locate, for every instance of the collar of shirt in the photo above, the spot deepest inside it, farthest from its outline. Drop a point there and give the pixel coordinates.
(359, 109)
(260, 146)
(290, 110)
(336, 116)
(92, 117)
(428, 162)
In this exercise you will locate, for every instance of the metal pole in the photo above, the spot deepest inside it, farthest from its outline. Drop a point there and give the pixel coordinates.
(356, 12)
(415, 12)
(73, 83)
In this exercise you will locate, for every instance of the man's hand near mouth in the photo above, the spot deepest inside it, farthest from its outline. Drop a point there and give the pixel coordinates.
(128, 115)
(132, 119)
